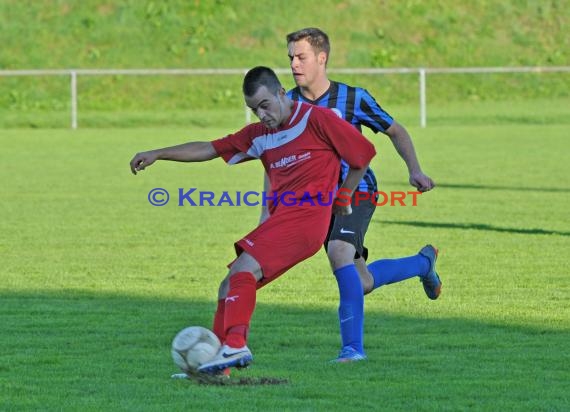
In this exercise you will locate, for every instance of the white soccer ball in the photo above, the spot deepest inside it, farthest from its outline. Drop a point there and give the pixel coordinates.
(194, 346)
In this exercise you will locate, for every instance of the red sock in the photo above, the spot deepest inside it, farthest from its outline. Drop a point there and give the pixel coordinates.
(218, 327)
(239, 307)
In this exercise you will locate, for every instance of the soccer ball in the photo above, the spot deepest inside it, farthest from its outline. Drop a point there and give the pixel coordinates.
(194, 346)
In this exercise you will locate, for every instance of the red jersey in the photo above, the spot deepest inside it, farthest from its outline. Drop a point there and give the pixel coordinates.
(303, 156)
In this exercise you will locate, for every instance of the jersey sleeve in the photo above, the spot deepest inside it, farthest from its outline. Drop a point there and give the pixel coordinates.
(348, 142)
(237, 147)
(370, 113)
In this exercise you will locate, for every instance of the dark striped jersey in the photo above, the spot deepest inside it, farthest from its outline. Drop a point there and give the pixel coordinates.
(358, 107)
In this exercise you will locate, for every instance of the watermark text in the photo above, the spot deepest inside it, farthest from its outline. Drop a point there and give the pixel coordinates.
(196, 198)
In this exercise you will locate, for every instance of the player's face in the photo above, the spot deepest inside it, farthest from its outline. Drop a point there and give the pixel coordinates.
(267, 107)
(306, 65)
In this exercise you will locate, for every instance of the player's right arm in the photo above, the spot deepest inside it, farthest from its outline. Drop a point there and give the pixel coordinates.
(187, 152)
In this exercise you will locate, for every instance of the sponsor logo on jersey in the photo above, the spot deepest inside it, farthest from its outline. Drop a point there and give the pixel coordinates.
(288, 161)
(283, 162)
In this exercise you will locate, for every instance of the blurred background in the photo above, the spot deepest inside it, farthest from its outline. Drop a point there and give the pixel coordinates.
(194, 34)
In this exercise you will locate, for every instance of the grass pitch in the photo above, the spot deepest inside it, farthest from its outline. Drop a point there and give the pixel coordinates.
(95, 282)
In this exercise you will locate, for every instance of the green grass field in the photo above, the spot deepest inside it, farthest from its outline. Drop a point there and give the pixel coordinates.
(95, 282)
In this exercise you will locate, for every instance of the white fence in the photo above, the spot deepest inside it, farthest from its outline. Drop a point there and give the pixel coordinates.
(421, 72)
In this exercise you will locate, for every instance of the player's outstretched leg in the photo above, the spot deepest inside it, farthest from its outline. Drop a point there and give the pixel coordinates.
(238, 309)
(388, 271)
(431, 281)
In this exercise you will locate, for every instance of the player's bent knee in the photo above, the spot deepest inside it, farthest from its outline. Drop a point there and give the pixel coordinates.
(246, 263)
(366, 277)
(367, 286)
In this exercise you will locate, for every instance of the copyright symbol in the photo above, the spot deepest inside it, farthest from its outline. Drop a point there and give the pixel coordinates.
(158, 197)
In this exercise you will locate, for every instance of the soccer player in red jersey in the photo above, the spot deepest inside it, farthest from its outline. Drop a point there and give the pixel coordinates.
(300, 146)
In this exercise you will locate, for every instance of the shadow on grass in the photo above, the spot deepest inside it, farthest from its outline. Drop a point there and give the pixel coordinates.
(475, 226)
(99, 350)
(470, 186)
(501, 188)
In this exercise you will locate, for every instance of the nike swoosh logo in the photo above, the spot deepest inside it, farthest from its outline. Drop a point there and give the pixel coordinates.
(227, 355)
(346, 231)
(346, 320)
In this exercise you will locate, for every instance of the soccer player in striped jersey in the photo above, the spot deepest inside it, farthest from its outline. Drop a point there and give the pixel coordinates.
(309, 51)
(300, 147)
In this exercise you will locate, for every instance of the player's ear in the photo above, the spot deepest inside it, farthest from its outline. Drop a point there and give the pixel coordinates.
(322, 58)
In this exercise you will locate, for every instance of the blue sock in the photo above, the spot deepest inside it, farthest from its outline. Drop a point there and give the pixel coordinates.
(351, 308)
(386, 271)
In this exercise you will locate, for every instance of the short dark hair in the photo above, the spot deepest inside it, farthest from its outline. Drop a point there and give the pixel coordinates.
(317, 38)
(261, 76)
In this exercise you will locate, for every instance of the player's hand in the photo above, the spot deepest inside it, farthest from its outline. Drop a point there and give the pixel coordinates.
(341, 209)
(142, 160)
(421, 182)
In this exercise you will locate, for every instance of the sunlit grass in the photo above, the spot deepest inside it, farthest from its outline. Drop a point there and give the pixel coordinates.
(96, 281)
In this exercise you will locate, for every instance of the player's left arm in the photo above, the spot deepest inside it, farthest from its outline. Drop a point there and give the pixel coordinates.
(405, 147)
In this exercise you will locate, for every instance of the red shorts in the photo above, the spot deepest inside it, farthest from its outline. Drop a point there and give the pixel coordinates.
(289, 236)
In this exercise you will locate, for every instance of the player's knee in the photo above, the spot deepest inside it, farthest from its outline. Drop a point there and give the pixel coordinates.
(366, 278)
(367, 284)
(246, 263)
(340, 253)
